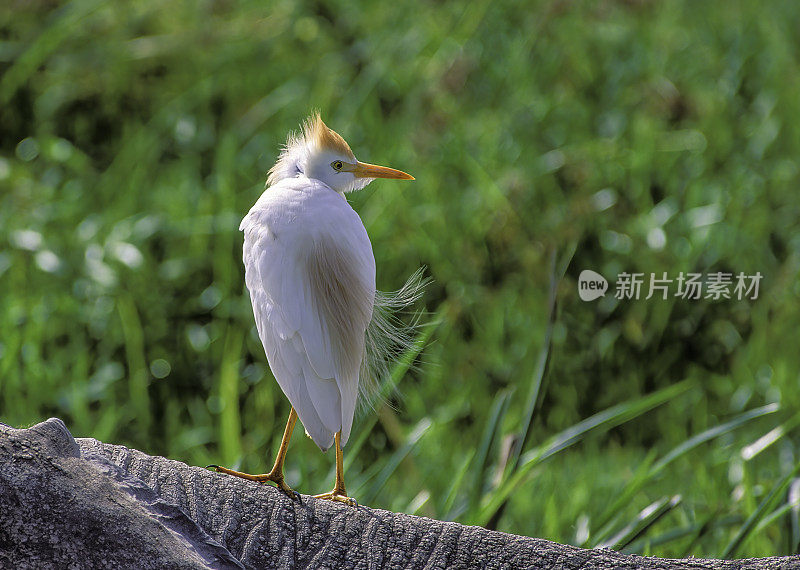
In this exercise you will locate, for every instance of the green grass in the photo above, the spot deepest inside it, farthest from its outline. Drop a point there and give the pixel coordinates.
(545, 137)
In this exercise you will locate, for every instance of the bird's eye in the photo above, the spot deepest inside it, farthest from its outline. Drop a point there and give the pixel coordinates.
(337, 165)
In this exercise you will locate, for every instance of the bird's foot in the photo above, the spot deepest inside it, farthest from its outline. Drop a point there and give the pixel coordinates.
(272, 476)
(339, 496)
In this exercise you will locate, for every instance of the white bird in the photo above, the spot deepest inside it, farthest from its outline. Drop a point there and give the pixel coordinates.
(310, 271)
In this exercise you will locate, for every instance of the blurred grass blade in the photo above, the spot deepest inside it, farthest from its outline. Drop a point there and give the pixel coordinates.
(363, 430)
(749, 526)
(138, 373)
(446, 512)
(637, 483)
(695, 530)
(607, 525)
(784, 509)
(537, 380)
(230, 425)
(794, 517)
(69, 17)
(609, 418)
(419, 501)
(368, 495)
(646, 518)
(490, 434)
(712, 433)
(769, 438)
(601, 421)
(541, 365)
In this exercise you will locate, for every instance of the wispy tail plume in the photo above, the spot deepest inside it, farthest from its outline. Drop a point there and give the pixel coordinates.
(388, 337)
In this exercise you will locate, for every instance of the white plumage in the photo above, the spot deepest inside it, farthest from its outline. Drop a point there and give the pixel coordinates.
(311, 275)
(310, 271)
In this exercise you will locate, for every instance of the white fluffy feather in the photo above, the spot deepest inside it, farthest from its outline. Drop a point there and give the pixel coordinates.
(310, 271)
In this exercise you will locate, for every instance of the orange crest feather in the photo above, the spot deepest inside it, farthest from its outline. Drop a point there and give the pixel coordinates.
(319, 134)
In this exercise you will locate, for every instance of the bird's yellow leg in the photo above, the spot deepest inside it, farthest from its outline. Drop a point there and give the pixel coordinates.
(276, 475)
(338, 494)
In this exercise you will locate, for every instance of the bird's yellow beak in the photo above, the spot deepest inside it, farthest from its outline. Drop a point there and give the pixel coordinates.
(364, 170)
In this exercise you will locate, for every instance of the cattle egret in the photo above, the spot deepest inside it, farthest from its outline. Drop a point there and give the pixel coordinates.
(310, 271)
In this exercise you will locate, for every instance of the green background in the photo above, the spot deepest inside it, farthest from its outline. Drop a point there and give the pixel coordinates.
(545, 138)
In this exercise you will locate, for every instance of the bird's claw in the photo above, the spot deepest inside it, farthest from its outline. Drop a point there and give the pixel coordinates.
(338, 497)
(272, 477)
(291, 493)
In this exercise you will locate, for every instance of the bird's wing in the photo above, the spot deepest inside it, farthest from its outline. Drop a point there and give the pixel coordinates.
(312, 284)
